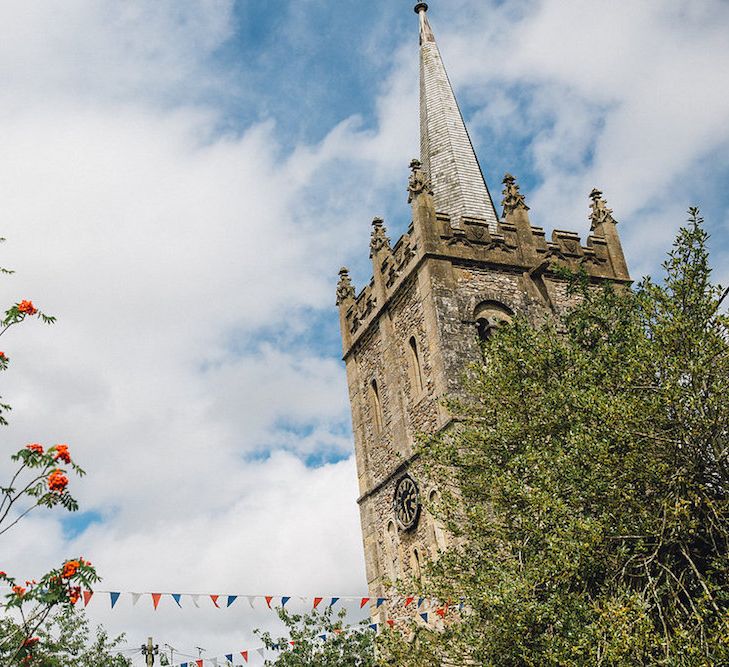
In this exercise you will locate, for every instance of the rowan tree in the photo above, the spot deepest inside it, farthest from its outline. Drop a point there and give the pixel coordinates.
(37, 477)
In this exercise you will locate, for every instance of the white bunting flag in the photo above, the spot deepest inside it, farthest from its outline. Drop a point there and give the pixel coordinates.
(135, 598)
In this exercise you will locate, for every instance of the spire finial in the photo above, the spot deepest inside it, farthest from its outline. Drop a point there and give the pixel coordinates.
(345, 289)
(379, 239)
(600, 212)
(513, 199)
(419, 181)
(421, 7)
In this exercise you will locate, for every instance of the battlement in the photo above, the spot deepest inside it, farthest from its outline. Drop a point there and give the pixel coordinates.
(515, 247)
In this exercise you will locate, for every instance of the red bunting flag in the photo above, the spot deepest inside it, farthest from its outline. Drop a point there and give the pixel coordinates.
(155, 599)
(199, 663)
(317, 601)
(87, 597)
(391, 623)
(268, 600)
(364, 602)
(441, 612)
(408, 601)
(245, 655)
(214, 598)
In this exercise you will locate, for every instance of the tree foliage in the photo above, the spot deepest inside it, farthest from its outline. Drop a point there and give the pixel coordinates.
(68, 641)
(589, 474)
(38, 477)
(321, 639)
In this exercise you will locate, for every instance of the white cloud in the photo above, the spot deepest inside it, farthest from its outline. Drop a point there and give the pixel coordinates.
(190, 269)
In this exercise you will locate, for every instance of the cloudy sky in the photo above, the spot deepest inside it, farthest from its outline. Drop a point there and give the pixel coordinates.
(179, 184)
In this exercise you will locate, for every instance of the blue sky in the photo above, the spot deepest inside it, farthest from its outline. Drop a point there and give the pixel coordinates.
(180, 184)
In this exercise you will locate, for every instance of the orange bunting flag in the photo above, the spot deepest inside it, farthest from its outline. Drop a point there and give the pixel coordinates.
(408, 601)
(364, 602)
(245, 655)
(317, 601)
(268, 600)
(155, 599)
(87, 597)
(214, 598)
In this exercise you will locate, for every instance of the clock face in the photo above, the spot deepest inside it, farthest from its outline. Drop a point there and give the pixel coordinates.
(406, 503)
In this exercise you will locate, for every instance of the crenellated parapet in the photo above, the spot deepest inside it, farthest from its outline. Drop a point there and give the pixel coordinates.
(516, 246)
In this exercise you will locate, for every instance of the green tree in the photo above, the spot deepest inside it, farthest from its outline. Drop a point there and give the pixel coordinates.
(67, 641)
(321, 639)
(589, 473)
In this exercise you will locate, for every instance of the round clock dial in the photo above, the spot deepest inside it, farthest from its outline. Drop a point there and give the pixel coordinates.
(407, 503)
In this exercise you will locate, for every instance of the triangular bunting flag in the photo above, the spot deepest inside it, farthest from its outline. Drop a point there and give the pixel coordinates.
(135, 598)
(87, 596)
(408, 601)
(441, 612)
(184, 664)
(114, 597)
(176, 597)
(214, 598)
(323, 637)
(420, 602)
(196, 600)
(363, 602)
(391, 623)
(284, 600)
(260, 651)
(251, 599)
(199, 663)
(268, 600)
(214, 661)
(231, 600)
(333, 602)
(373, 626)
(317, 601)
(424, 616)
(155, 599)
(462, 605)
(379, 601)
(245, 655)
(229, 657)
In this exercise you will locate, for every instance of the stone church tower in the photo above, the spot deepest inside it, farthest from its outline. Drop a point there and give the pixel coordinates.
(458, 272)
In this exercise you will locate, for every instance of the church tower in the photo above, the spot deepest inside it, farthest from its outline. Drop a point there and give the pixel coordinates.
(458, 273)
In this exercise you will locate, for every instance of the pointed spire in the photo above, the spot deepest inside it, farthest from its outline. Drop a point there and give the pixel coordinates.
(445, 147)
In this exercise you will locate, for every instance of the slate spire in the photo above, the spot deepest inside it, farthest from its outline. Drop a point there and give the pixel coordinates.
(445, 148)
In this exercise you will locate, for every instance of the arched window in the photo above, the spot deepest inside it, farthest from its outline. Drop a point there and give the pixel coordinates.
(376, 406)
(439, 535)
(415, 564)
(392, 548)
(416, 371)
(490, 316)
